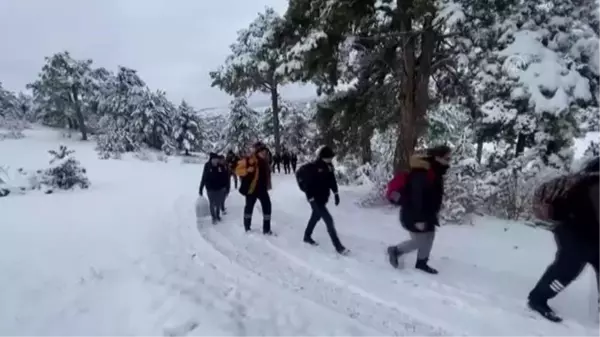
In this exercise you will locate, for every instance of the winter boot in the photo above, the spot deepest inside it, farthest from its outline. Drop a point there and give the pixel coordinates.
(422, 265)
(310, 241)
(267, 227)
(541, 307)
(247, 224)
(215, 220)
(393, 254)
(342, 251)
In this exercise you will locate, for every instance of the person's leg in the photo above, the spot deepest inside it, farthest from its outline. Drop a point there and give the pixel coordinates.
(248, 209)
(567, 265)
(405, 247)
(265, 204)
(425, 244)
(315, 216)
(224, 192)
(328, 219)
(212, 204)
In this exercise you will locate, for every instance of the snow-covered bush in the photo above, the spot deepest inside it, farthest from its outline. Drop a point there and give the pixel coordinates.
(144, 155)
(65, 172)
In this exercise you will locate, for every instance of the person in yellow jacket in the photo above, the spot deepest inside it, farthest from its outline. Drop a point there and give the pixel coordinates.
(255, 182)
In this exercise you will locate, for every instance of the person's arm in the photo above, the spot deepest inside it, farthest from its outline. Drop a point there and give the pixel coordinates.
(332, 180)
(202, 180)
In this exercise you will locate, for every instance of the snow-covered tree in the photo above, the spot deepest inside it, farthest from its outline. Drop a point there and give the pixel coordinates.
(65, 171)
(243, 124)
(153, 122)
(187, 128)
(256, 64)
(63, 89)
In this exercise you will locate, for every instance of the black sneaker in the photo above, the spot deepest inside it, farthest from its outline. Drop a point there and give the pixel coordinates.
(393, 255)
(543, 309)
(269, 233)
(343, 251)
(310, 241)
(422, 265)
(214, 221)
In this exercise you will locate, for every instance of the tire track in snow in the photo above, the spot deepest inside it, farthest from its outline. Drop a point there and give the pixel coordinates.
(298, 278)
(242, 301)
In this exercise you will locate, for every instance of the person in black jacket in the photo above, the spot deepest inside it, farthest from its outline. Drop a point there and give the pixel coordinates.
(420, 204)
(576, 234)
(285, 158)
(294, 161)
(317, 180)
(214, 178)
(277, 162)
(232, 160)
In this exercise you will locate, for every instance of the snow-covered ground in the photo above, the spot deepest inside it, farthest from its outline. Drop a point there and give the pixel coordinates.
(128, 257)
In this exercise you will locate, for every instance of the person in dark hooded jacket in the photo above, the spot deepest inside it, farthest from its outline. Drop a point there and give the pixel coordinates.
(285, 158)
(317, 180)
(576, 233)
(421, 202)
(214, 178)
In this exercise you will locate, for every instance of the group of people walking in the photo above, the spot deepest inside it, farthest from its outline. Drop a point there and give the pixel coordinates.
(569, 203)
(289, 160)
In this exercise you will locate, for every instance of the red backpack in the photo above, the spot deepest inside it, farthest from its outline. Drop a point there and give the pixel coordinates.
(395, 187)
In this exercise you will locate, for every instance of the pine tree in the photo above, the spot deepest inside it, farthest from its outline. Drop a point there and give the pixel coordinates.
(243, 124)
(63, 89)
(256, 65)
(187, 130)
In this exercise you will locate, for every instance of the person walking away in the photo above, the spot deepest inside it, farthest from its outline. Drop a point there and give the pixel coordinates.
(570, 204)
(286, 162)
(294, 161)
(317, 180)
(255, 174)
(214, 178)
(277, 162)
(232, 160)
(421, 202)
(225, 166)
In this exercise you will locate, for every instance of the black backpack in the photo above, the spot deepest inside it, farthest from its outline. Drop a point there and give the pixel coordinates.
(303, 176)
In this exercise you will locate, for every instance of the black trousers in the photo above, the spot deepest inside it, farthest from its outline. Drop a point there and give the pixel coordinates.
(235, 179)
(572, 254)
(277, 165)
(294, 166)
(320, 211)
(286, 167)
(265, 204)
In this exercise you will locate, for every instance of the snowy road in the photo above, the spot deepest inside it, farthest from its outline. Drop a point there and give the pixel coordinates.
(127, 257)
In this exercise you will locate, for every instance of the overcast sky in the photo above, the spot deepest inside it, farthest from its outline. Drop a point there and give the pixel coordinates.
(172, 43)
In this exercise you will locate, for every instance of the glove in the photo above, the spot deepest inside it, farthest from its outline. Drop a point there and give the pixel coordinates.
(420, 226)
(336, 199)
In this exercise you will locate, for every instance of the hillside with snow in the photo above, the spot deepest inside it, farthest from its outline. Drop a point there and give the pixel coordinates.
(127, 256)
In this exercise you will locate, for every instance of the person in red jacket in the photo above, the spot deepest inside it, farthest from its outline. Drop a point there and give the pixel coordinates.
(421, 202)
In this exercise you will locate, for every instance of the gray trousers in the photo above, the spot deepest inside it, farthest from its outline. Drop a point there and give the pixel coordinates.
(422, 242)
(216, 199)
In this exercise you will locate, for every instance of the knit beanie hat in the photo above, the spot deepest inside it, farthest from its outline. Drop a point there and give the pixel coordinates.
(325, 152)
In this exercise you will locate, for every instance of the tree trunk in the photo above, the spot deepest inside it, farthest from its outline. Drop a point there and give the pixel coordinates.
(275, 108)
(365, 144)
(414, 88)
(479, 154)
(79, 115)
(520, 147)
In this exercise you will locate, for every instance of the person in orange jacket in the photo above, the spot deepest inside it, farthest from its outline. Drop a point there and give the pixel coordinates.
(255, 182)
